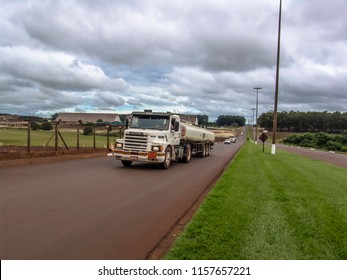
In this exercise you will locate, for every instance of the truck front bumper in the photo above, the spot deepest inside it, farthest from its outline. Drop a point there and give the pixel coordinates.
(139, 156)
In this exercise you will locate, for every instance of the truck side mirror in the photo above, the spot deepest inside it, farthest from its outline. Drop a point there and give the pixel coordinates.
(126, 123)
(177, 126)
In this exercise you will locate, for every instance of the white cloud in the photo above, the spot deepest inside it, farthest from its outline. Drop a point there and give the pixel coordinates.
(42, 80)
(55, 70)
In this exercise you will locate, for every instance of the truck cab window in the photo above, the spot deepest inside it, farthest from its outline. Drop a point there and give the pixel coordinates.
(150, 122)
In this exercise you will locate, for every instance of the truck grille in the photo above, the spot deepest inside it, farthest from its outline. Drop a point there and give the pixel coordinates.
(135, 142)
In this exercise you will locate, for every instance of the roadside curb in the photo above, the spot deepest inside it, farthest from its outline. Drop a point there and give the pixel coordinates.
(29, 161)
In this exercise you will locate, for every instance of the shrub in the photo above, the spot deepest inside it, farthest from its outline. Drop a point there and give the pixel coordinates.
(46, 126)
(321, 139)
(292, 139)
(307, 143)
(342, 139)
(88, 130)
(318, 140)
(333, 146)
(35, 126)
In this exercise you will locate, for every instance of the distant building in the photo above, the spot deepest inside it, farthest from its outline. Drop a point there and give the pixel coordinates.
(76, 118)
(12, 121)
(9, 118)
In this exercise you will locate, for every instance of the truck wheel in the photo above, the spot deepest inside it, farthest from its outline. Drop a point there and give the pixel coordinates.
(167, 161)
(188, 155)
(127, 163)
(203, 151)
(208, 149)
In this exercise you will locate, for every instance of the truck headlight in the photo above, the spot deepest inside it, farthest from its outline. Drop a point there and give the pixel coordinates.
(157, 148)
(119, 145)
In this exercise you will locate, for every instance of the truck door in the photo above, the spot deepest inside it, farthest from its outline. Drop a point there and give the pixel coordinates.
(175, 137)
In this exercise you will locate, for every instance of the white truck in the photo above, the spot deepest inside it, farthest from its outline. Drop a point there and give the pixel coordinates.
(160, 138)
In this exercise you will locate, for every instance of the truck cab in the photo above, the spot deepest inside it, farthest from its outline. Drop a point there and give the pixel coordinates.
(150, 137)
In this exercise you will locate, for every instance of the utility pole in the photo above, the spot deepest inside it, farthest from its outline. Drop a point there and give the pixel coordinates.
(273, 146)
(56, 136)
(28, 138)
(256, 116)
(253, 125)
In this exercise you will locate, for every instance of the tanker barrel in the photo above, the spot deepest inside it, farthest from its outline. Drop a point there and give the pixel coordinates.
(192, 133)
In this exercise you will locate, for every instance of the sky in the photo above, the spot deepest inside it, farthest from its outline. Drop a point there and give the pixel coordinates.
(184, 56)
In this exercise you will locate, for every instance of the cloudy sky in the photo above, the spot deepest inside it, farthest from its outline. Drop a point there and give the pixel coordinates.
(187, 56)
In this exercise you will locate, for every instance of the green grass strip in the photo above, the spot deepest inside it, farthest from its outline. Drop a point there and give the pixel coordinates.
(18, 137)
(269, 207)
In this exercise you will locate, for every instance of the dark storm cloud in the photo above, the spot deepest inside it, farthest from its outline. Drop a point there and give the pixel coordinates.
(194, 56)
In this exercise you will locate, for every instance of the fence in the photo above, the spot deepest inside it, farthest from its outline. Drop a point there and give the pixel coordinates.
(66, 141)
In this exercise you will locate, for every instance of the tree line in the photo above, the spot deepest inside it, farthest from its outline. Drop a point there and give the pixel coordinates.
(222, 120)
(295, 121)
(231, 120)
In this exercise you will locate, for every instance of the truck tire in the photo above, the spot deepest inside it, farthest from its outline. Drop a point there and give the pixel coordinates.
(202, 151)
(127, 163)
(208, 149)
(188, 154)
(167, 161)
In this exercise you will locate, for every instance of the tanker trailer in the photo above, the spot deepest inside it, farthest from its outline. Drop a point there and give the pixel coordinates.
(200, 139)
(161, 138)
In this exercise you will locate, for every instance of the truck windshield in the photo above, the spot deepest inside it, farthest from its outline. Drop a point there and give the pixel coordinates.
(150, 122)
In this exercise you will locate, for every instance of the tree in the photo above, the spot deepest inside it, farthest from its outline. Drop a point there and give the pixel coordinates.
(122, 117)
(202, 119)
(266, 120)
(54, 116)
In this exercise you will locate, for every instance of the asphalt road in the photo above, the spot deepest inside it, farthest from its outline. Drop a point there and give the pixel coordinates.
(96, 208)
(329, 157)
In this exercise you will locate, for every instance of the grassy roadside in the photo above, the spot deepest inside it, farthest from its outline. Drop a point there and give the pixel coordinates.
(270, 207)
(18, 137)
